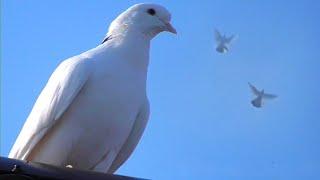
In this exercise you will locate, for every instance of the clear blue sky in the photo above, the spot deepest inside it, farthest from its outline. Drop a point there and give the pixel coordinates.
(202, 123)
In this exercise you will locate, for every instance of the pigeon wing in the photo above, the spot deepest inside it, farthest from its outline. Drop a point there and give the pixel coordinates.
(254, 89)
(269, 96)
(133, 138)
(63, 86)
(217, 36)
(229, 39)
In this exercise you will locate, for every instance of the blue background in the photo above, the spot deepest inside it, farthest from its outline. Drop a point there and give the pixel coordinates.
(202, 123)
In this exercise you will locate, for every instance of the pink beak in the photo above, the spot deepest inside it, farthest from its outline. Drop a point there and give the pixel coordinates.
(170, 28)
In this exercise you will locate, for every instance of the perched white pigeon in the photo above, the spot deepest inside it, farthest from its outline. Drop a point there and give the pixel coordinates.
(257, 102)
(222, 41)
(94, 108)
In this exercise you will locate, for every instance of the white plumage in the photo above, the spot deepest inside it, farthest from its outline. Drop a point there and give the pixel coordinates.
(94, 108)
(223, 42)
(260, 95)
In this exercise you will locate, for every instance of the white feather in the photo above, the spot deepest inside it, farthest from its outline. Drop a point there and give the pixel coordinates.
(63, 85)
(94, 108)
(254, 90)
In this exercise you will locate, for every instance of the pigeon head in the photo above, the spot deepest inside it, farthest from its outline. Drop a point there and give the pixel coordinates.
(147, 19)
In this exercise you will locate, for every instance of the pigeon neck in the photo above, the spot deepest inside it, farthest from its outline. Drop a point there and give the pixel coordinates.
(140, 48)
(136, 45)
(127, 33)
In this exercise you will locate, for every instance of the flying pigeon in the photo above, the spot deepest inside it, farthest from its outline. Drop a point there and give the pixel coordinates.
(257, 102)
(94, 108)
(223, 42)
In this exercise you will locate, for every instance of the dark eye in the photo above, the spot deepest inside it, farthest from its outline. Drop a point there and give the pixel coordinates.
(151, 11)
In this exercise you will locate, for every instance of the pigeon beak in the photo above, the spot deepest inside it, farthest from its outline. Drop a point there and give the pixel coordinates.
(170, 28)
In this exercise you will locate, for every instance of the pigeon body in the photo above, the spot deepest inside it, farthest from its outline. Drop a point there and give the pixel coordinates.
(223, 42)
(94, 108)
(258, 101)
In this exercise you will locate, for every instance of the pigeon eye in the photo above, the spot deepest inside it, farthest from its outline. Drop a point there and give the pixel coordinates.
(151, 11)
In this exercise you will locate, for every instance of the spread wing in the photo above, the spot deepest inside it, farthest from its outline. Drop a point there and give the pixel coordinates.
(229, 39)
(217, 36)
(133, 138)
(269, 96)
(254, 89)
(63, 86)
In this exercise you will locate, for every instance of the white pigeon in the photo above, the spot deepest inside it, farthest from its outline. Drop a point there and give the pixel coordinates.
(257, 102)
(94, 108)
(223, 42)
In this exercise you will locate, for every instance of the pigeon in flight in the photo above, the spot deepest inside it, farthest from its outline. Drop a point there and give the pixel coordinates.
(257, 102)
(94, 108)
(223, 42)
